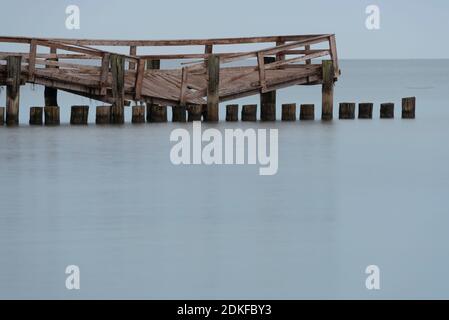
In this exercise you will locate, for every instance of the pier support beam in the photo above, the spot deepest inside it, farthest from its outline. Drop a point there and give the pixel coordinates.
(13, 69)
(79, 114)
(346, 110)
(103, 115)
(2, 115)
(138, 114)
(408, 108)
(51, 94)
(179, 114)
(289, 112)
(365, 110)
(36, 116)
(194, 112)
(307, 112)
(51, 116)
(232, 112)
(213, 73)
(156, 113)
(327, 90)
(387, 110)
(118, 89)
(268, 100)
(249, 112)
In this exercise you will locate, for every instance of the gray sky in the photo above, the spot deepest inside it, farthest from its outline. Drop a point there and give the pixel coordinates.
(409, 29)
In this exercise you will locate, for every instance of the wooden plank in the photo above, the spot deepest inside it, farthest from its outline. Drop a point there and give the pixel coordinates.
(105, 61)
(182, 97)
(139, 78)
(334, 56)
(32, 60)
(261, 67)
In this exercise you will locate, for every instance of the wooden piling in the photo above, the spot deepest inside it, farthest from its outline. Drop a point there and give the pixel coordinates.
(194, 112)
(179, 114)
(138, 114)
(36, 115)
(365, 110)
(268, 99)
(346, 110)
(2, 115)
(51, 115)
(327, 90)
(79, 115)
(213, 73)
(408, 108)
(387, 110)
(51, 94)
(232, 112)
(13, 69)
(307, 112)
(249, 112)
(103, 115)
(118, 89)
(289, 112)
(156, 113)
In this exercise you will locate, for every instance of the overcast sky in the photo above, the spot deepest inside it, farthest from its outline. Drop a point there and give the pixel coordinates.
(408, 29)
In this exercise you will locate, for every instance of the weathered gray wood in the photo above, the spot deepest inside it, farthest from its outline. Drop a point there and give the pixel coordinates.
(387, 110)
(2, 115)
(365, 110)
(79, 115)
(194, 112)
(307, 112)
(36, 115)
(179, 114)
(103, 115)
(13, 70)
(51, 115)
(156, 113)
(346, 110)
(138, 114)
(249, 112)
(50, 93)
(213, 72)
(268, 99)
(118, 89)
(408, 108)
(327, 90)
(289, 112)
(232, 112)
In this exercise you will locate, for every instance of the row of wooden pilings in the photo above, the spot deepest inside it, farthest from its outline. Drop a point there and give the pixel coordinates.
(155, 113)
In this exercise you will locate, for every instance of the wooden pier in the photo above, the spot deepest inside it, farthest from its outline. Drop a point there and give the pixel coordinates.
(202, 81)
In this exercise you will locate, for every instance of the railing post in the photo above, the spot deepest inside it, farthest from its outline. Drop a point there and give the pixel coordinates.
(307, 48)
(139, 78)
(51, 94)
(32, 60)
(13, 70)
(132, 52)
(213, 72)
(333, 51)
(327, 90)
(105, 62)
(118, 89)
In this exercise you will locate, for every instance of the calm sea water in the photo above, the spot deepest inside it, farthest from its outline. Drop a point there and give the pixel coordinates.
(348, 194)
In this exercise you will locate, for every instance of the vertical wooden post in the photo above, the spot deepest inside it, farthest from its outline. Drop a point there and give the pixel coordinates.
(387, 110)
(36, 114)
(138, 114)
(232, 112)
(79, 114)
(408, 108)
(307, 112)
(268, 100)
(213, 72)
(13, 69)
(194, 112)
(346, 110)
(307, 48)
(51, 116)
(249, 112)
(2, 115)
(365, 110)
(118, 89)
(156, 113)
(179, 114)
(327, 90)
(51, 94)
(289, 112)
(132, 52)
(103, 115)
